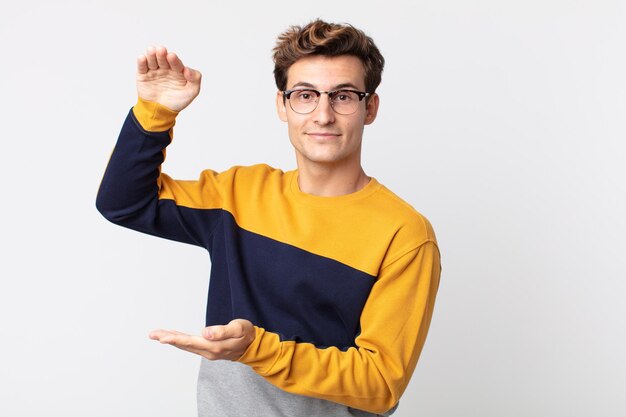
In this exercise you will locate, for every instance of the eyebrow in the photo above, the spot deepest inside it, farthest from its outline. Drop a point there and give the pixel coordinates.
(336, 87)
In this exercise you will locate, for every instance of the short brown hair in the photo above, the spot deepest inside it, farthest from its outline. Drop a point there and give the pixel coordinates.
(327, 39)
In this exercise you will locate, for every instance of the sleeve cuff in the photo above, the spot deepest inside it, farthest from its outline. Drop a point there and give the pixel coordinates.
(154, 117)
(263, 352)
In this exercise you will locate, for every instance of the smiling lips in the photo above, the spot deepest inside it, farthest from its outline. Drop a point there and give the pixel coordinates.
(323, 135)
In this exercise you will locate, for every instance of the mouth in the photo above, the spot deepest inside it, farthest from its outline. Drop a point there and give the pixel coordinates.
(322, 135)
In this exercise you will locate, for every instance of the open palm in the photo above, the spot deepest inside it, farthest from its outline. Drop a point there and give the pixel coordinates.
(162, 78)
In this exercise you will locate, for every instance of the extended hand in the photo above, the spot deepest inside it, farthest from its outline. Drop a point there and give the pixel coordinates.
(217, 342)
(162, 77)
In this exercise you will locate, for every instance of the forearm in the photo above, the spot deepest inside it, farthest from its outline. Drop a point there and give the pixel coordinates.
(350, 377)
(131, 180)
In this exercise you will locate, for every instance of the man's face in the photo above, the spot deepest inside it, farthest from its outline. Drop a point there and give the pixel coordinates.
(324, 136)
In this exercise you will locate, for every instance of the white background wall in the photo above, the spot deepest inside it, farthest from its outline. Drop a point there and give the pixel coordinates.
(501, 121)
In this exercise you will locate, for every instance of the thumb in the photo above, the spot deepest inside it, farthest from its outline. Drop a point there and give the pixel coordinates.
(192, 75)
(234, 329)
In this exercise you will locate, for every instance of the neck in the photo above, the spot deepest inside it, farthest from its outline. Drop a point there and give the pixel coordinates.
(327, 181)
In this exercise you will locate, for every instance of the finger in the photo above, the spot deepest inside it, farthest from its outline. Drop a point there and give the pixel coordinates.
(151, 57)
(195, 344)
(161, 333)
(215, 333)
(161, 54)
(179, 340)
(157, 334)
(174, 62)
(192, 75)
(142, 64)
(222, 349)
(195, 348)
(234, 329)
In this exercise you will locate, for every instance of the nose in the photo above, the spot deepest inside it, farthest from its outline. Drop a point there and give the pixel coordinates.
(324, 113)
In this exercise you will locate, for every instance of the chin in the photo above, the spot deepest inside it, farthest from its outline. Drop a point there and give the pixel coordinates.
(325, 159)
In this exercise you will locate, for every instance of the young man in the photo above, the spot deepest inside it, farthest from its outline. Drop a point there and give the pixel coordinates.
(323, 281)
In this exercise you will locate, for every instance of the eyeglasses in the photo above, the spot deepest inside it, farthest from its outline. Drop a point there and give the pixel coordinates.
(304, 101)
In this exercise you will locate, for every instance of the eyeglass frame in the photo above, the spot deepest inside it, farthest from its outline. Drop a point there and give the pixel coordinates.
(360, 94)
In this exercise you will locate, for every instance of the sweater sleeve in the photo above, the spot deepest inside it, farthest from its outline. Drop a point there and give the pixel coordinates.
(135, 194)
(372, 376)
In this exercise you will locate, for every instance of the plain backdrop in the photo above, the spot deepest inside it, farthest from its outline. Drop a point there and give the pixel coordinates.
(503, 122)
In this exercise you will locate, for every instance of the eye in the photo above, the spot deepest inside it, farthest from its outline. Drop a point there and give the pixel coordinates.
(304, 95)
(343, 96)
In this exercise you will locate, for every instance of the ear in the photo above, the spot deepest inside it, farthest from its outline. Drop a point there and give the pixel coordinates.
(371, 109)
(281, 109)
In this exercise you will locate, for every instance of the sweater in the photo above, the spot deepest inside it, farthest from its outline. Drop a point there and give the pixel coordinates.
(340, 289)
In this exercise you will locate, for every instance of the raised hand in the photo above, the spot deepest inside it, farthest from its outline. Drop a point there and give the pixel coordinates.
(162, 78)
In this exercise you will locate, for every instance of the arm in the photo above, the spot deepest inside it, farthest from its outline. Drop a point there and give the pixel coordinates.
(371, 377)
(394, 325)
(133, 192)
